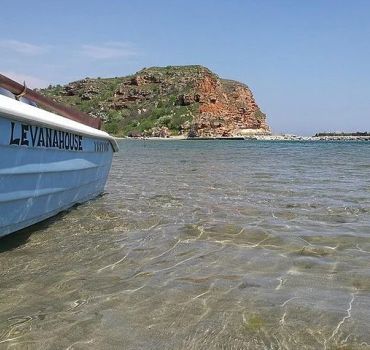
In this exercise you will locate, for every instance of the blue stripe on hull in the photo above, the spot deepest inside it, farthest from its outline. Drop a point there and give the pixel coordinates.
(37, 183)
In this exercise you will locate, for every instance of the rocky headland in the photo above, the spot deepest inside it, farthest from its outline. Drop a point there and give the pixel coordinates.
(167, 101)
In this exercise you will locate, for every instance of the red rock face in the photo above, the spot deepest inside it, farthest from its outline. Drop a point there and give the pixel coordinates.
(226, 108)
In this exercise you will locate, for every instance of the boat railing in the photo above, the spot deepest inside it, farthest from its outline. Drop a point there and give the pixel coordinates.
(19, 90)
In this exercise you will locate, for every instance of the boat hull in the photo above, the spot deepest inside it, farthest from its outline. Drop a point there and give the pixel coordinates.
(45, 170)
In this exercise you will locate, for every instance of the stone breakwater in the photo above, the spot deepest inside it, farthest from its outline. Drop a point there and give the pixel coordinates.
(306, 138)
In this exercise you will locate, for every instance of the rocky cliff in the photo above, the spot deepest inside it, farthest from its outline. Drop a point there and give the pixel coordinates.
(189, 100)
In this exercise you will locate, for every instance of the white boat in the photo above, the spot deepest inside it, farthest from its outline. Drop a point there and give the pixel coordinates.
(48, 163)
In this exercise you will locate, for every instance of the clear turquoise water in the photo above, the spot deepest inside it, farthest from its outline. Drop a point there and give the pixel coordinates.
(201, 245)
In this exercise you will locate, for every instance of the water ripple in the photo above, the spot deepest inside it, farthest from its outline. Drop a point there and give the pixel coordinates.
(214, 245)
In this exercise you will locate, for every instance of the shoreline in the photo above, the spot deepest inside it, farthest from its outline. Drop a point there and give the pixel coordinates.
(278, 138)
(170, 138)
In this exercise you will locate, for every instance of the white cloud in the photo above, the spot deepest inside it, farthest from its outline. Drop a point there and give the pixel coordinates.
(31, 81)
(23, 47)
(109, 50)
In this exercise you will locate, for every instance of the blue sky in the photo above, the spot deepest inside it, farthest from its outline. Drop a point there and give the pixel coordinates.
(307, 61)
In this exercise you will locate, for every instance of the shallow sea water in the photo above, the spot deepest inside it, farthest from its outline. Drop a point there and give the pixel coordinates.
(201, 245)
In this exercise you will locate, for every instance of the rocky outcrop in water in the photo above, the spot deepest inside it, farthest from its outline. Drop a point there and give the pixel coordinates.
(189, 100)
